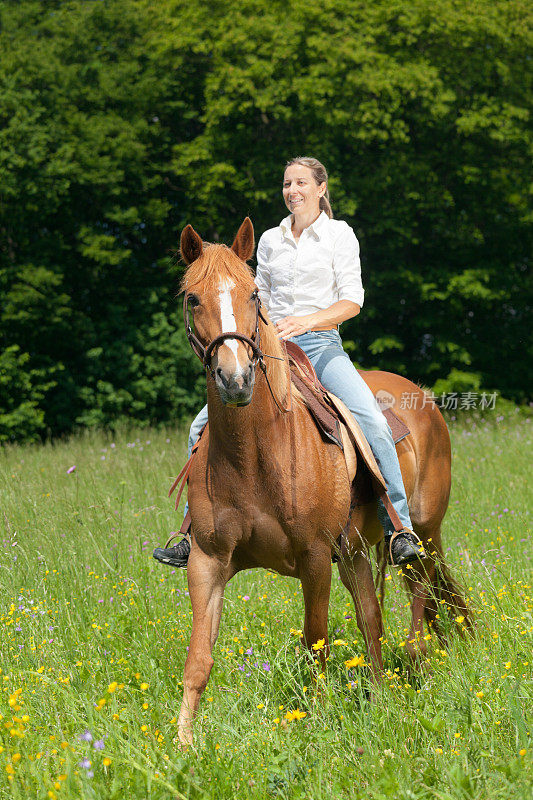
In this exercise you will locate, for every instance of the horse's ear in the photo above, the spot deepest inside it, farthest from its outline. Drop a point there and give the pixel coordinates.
(191, 245)
(244, 244)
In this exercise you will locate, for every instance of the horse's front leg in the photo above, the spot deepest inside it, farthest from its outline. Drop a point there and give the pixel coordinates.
(315, 575)
(207, 579)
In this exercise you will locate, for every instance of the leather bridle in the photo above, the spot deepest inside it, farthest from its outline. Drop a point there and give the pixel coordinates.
(205, 353)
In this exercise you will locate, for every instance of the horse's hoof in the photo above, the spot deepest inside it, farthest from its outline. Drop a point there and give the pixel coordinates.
(184, 740)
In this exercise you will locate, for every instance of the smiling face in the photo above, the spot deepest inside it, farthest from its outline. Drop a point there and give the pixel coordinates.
(301, 192)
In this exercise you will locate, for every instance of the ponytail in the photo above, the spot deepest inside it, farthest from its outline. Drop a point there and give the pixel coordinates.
(325, 205)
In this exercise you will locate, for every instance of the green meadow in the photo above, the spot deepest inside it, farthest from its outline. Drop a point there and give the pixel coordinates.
(95, 634)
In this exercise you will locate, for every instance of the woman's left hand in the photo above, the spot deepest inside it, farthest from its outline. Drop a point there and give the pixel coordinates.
(288, 327)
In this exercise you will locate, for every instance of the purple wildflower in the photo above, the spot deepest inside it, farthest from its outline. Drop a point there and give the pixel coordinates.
(249, 651)
(86, 736)
(71, 469)
(99, 744)
(85, 763)
(266, 666)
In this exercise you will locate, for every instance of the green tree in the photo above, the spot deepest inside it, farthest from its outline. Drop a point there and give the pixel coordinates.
(121, 121)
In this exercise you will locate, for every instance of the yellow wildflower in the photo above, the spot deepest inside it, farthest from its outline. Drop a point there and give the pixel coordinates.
(296, 714)
(319, 645)
(112, 687)
(358, 661)
(144, 686)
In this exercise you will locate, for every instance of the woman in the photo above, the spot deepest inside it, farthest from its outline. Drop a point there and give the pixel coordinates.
(309, 278)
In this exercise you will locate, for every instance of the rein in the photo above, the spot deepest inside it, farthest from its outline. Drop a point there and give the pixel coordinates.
(205, 354)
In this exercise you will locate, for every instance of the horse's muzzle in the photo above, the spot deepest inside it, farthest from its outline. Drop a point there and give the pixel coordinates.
(236, 388)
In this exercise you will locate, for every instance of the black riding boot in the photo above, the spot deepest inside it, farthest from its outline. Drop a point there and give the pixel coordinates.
(176, 556)
(403, 547)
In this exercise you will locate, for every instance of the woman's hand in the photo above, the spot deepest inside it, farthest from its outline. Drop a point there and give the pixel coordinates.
(321, 320)
(288, 327)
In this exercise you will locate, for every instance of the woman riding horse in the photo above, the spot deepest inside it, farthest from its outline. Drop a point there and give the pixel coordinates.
(309, 278)
(249, 483)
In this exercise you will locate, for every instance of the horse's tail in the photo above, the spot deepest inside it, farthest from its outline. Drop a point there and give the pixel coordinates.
(446, 588)
(381, 553)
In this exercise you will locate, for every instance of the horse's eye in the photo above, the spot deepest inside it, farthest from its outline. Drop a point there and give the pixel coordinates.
(194, 301)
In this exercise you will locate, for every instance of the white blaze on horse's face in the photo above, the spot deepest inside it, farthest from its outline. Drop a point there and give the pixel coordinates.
(227, 317)
(233, 371)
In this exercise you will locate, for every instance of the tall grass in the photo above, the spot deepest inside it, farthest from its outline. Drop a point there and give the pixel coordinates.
(94, 637)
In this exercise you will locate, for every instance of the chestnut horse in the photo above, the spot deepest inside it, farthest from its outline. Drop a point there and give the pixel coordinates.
(265, 490)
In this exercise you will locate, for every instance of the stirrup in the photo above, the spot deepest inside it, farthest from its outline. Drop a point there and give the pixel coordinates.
(394, 536)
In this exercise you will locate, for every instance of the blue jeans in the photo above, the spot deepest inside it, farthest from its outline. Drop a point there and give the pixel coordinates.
(338, 375)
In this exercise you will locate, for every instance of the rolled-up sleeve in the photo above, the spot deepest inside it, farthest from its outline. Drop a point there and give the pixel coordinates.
(347, 267)
(262, 274)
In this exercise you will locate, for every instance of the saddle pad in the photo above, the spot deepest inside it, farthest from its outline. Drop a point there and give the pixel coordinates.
(398, 428)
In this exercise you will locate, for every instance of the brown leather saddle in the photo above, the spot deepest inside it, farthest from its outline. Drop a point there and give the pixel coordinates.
(316, 399)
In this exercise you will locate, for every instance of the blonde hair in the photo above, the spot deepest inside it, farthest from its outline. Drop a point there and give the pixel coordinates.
(320, 175)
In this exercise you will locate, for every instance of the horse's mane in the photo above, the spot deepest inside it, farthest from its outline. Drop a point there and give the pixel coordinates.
(216, 262)
(219, 262)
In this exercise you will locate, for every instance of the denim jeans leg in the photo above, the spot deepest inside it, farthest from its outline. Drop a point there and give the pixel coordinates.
(194, 432)
(337, 373)
(196, 428)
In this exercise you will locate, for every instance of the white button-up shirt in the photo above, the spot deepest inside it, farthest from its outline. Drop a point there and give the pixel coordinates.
(296, 278)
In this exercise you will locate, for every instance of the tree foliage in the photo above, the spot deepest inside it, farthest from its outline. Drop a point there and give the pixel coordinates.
(121, 121)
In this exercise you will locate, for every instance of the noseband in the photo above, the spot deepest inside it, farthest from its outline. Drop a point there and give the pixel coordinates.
(205, 354)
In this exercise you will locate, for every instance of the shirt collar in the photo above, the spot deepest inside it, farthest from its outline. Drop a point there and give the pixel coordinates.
(317, 227)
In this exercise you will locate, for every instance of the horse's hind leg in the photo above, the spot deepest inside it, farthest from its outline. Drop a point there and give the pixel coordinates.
(206, 579)
(356, 575)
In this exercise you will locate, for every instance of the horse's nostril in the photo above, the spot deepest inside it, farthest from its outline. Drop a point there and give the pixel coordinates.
(223, 380)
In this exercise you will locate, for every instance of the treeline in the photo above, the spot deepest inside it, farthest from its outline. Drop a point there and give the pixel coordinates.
(122, 120)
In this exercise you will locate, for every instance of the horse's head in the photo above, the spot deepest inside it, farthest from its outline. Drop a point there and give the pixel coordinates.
(221, 298)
